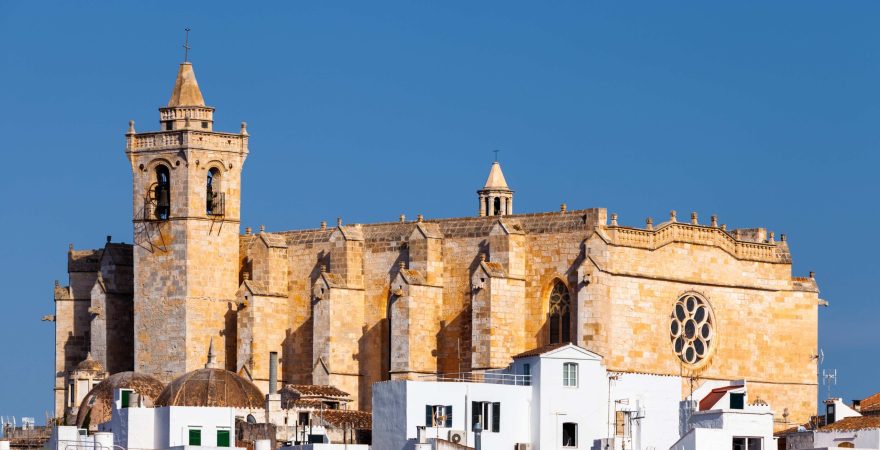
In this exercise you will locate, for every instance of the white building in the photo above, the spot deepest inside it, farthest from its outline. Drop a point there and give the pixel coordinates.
(170, 427)
(139, 427)
(726, 420)
(844, 427)
(558, 396)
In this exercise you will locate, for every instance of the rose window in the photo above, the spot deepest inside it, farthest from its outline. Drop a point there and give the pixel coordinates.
(692, 328)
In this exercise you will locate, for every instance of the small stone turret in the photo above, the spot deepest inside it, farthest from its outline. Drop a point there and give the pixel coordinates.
(496, 198)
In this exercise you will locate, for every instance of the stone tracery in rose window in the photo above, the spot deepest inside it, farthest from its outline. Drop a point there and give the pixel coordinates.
(692, 328)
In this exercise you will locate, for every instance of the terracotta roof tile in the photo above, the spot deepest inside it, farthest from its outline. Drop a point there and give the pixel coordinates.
(344, 418)
(854, 423)
(541, 350)
(709, 401)
(870, 404)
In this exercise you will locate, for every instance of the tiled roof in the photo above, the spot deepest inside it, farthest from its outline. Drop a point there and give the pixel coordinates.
(716, 394)
(870, 404)
(854, 423)
(318, 390)
(344, 418)
(541, 350)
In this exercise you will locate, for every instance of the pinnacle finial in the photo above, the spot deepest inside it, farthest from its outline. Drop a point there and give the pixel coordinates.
(211, 364)
(244, 131)
(131, 127)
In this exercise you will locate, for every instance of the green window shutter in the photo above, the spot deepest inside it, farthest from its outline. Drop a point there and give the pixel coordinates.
(448, 423)
(737, 401)
(476, 411)
(496, 417)
(195, 436)
(222, 438)
(125, 396)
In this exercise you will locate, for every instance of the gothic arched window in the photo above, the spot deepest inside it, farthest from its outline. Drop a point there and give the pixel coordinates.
(162, 192)
(213, 193)
(560, 313)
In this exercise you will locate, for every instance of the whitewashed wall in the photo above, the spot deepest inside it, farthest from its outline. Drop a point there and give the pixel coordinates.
(399, 408)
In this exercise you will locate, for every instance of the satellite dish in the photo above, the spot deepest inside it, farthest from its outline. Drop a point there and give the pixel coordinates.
(251, 419)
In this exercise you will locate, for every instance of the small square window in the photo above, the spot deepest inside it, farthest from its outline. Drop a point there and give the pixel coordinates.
(195, 436)
(204, 124)
(222, 438)
(169, 125)
(737, 401)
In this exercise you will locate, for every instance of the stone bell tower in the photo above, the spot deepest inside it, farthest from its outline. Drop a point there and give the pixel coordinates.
(186, 193)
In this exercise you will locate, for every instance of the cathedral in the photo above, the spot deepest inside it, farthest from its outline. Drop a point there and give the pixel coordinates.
(349, 305)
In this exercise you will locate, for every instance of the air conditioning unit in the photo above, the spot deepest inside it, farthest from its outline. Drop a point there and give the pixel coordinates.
(457, 436)
(523, 446)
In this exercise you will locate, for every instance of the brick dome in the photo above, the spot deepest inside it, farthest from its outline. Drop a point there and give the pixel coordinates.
(211, 387)
(97, 404)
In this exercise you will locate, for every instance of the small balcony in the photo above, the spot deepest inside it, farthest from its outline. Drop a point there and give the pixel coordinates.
(216, 204)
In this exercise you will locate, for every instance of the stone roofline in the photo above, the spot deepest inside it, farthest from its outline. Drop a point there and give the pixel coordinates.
(671, 232)
(186, 138)
(600, 212)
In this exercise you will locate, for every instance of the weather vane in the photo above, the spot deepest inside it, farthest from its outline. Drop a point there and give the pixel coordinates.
(496, 154)
(186, 47)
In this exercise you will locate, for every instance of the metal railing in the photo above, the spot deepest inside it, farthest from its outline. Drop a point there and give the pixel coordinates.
(490, 377)
(216, 206)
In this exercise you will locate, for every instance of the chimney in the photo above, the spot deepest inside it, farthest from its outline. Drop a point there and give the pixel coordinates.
(273, 372)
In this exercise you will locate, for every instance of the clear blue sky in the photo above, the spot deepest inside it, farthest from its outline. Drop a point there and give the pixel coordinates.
(766, 114)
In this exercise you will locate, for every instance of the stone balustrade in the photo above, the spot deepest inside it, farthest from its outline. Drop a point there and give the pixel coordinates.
(164, 140)
(652, 239)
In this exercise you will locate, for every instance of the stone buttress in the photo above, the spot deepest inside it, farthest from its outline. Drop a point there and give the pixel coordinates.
(416, 300)
(338, 313)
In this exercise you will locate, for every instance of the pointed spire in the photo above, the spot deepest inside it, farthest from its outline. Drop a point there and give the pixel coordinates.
(496, 178)
(212, 363)
(186, 88)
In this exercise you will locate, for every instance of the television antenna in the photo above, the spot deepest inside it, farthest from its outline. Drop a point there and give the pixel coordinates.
(829, 378)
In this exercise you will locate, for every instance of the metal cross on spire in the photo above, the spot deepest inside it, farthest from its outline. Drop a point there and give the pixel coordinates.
(496, 154)
(186, 47)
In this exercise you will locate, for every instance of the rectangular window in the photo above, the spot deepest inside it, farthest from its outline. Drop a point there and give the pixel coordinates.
(303, 418)
(126, 395)
(747, 443)
(195, 436)
(737, 401)
(487, 414)
(569, 434)
(570, 374)
(204, 124)
(527, 369)
(438, 416)
(222, 438)
(169, 125)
